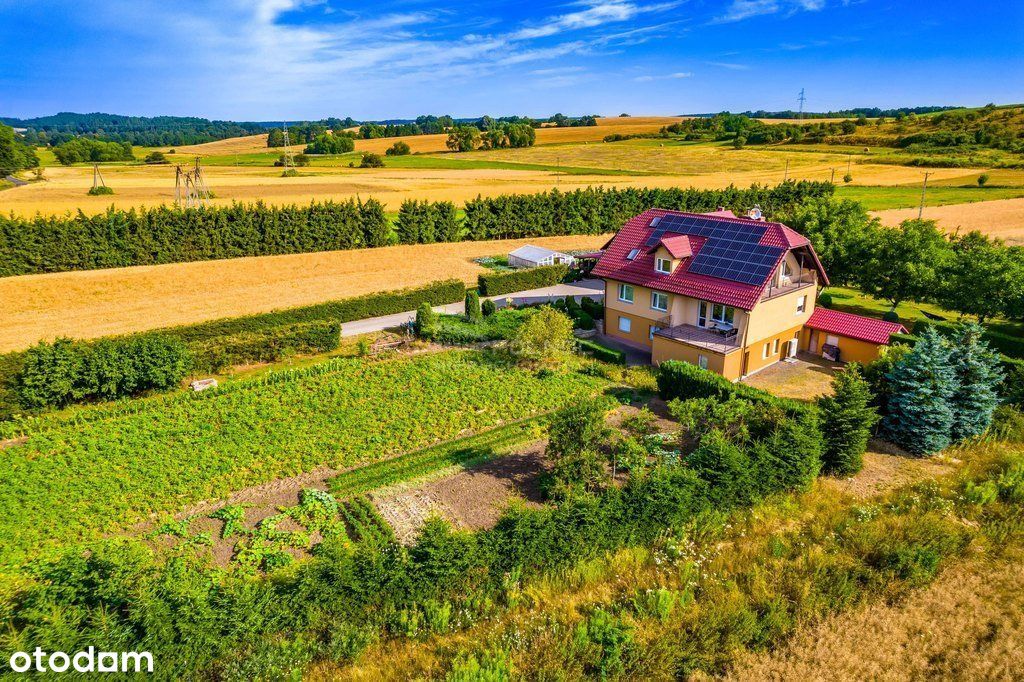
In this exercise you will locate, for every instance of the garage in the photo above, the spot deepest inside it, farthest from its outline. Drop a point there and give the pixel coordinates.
(845, 337)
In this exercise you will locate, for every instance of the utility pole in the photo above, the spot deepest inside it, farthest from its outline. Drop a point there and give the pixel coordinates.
(849, 163)
(801, 99)
(785, 175)
(833, 180)
(924, 188)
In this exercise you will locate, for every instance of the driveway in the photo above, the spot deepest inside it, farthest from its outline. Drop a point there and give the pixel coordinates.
(594, 288)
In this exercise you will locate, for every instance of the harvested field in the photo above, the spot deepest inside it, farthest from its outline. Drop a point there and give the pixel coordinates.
(967, 625)
(103, 302)
(1002, 218)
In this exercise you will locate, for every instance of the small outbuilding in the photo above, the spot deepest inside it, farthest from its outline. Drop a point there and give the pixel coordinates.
(847, 337)
(530, 256)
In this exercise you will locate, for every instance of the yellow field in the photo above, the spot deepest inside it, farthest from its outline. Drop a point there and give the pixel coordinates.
(1003, 218)
(103, 302)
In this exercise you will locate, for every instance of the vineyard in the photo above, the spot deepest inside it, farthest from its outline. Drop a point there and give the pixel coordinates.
(95, 471)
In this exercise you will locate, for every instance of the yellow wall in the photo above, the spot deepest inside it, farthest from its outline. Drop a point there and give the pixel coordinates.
(755, 357)
(776, 315)
(728, 365)
(640, 331)
(850, 350)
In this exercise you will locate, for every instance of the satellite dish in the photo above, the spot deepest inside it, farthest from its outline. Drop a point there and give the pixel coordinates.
(754, 213)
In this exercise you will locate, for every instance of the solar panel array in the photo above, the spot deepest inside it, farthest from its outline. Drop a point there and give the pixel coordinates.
(731, 250)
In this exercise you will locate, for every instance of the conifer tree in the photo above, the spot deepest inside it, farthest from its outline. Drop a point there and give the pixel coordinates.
(978, 373)
(922, 385)
(847, 418)
(426, 324)
(473, 312)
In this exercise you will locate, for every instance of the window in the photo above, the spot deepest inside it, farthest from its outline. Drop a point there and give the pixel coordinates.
(766, 351)
(626, 293)
(775, 347)
(633, 254)
(801, 304)
(702, 314)
(659, 301)
(663, 265)
(722, 313)
(702, 361)
(625, 324)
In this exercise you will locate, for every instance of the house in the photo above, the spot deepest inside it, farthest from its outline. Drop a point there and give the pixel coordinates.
(530, 256)
(730, 294)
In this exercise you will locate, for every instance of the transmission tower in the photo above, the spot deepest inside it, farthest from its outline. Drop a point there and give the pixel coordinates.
(190, 190)
(801, 99)
(97, 177)
(289, 165)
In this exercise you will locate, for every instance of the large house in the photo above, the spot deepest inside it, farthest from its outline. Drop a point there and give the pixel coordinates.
(730, 294)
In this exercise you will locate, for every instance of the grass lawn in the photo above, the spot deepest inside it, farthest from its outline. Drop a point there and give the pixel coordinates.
(876, 198)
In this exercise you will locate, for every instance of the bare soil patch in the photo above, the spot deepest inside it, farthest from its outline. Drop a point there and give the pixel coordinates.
(887, 467)
(805, 378)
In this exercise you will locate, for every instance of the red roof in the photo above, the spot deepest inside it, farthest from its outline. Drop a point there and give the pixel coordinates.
(614, 263)
(853, 326)
(678, 245)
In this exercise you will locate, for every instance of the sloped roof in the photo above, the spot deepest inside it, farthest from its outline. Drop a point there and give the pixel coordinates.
(640, 271)
(853, 326)
(531, 252)
(678, 245)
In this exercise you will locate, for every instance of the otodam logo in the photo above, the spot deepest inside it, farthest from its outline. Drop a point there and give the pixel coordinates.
(87, 661)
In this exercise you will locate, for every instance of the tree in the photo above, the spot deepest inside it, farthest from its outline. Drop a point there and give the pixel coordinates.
(978, 376)
(545, 336)
(847, 418)
(398, 149)
(463, 138)
(921, 387)
(904, 263)
(275, 138)
(520, 135)
(473, 311)
(329, 143)
(488, 308)
(982, 179)
(982, 278)
(839, 230)
(739, 142)
(155, 157)
(426, 325)
(375, 225)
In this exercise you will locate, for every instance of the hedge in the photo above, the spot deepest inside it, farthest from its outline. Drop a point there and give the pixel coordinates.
(498, 283)
(677, 379)
(266, 345)
(153, 236)
(603, 353)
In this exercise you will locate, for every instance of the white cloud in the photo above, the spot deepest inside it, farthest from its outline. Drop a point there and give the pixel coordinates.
(745, 9)
(732, 66)
(670, 76)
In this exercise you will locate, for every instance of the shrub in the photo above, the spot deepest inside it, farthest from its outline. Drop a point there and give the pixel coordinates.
(398, 149)
(592, 308)
(155, 157)
(825, 300)
(265, 345)
(498, 283)
(426, 324)
(574, 437)
(684, 380)
(371, 160)
(472, 307)
(583, 321)
(891, 316)
(545, 336)
(847, 419)
(99, 190)
(487, 308)
(602, 353)
(982, 179)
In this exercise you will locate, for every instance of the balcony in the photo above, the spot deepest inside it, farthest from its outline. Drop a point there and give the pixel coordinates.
(707, 339)
(789, 286)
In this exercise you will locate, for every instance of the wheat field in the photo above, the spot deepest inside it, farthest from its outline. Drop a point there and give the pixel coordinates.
(103, 302)
(1002, 218)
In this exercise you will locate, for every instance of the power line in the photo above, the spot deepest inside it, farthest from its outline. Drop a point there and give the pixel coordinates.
(801, 99)
(924, 188)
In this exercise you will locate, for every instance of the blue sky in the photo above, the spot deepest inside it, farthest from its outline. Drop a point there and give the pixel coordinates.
(308, 59)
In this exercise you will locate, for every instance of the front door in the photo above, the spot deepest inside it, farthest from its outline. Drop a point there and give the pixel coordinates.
(792, 348)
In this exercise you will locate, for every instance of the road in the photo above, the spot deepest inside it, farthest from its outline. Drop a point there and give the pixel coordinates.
(588, 287)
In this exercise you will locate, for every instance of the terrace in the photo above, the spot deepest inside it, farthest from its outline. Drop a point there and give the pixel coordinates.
(715, 341)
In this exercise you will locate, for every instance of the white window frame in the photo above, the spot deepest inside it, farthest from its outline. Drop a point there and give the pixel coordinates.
(775, 347)
(667, 269)
(623, 288)
(625, 324)
(654, 297)
(801, 304)
(718, 308)
(765, 350)
(702, 361)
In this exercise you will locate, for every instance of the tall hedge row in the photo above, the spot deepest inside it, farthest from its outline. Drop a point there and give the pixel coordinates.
(683, 380)
(165, 235)
(497, 283)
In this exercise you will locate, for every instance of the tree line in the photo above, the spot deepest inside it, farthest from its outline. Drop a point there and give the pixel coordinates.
(150, 236)
(142, 131)
(15, 153)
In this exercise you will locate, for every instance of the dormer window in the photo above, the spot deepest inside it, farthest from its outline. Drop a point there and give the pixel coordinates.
(633, 254)
(663, 265)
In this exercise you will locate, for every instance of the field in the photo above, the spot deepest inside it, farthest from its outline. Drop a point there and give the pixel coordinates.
(1003, 218)
(76, 477)
(103, 302)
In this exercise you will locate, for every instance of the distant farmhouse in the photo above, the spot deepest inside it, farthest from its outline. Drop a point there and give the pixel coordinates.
(530, 256)
(730, 294)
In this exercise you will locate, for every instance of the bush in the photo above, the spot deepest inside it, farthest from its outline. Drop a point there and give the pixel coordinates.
(99, 190)
(426, 325)
(371, 160)
(498, 283)
(56, 374)
(488, 307)
(265, 345)
(398, 149)
(683, 380)
(592, 308)
(583, 321)
(544, 336)
(155, 157)
(825, 300)
(982, 179)
(575, 436)
(847, 419)
(891, 316)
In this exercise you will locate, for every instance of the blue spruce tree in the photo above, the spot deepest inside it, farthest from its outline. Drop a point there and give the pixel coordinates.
(978, 373)
(922, 385)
